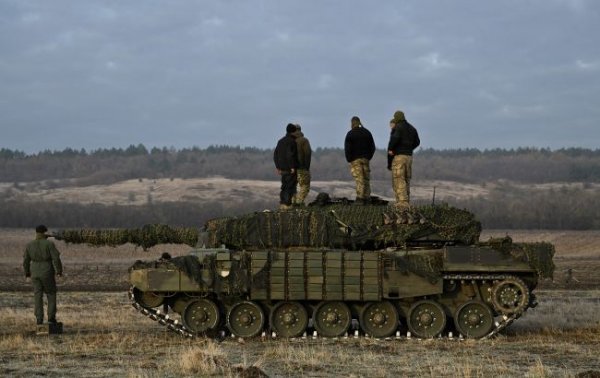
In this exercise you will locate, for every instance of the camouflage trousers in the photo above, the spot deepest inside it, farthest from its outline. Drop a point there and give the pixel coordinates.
(401, 175)
(303, 186)
(362, 175)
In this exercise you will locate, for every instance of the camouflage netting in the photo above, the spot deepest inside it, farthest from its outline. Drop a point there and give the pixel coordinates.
(339, 225)
(539, 255)
(329, 224)
(146, 237)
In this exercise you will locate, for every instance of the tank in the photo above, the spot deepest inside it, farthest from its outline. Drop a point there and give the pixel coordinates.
(331, 269)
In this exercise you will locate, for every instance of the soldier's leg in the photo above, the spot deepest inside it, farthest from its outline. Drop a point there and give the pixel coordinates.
(408, 176)
(366, 172)
(38, 299)
(282, 190)
(399, 181)
(303, 186)
(50, 289)
(288, 188)
(356, 170)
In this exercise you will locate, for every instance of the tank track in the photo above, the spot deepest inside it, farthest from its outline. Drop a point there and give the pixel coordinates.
(157, 316)
(176, 326)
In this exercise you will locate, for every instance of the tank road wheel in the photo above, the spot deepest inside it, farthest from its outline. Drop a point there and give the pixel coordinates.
(379, 319)
(148, 299)
(289, 319)
(201, 315)
(474, 319)
(245, 319)
(332, 319)
(426, 319)
(510, 296)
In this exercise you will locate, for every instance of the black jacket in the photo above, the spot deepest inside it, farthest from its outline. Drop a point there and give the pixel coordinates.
(285, 155)
(359, 143)
(404, 138)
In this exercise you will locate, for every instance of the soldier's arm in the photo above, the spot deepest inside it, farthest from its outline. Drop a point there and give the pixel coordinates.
(307, 151)
(394, 139)
(275, 158)
(26, 265)
(55, 255)
(417, 140)
(348, 148)
(372, 146)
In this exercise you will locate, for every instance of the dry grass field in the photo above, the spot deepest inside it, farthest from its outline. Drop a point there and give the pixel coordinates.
(104, 336)
(136, 192)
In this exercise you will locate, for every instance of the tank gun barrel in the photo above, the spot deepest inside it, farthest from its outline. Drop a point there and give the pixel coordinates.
(145, 237)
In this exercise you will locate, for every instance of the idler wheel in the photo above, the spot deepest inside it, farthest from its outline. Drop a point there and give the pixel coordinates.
(379, 319)
(332, 319)
(148, 299)
(510, 296)
(426, 319)
(474, 319)
(289, 319)
(201, 315)
(245, 319)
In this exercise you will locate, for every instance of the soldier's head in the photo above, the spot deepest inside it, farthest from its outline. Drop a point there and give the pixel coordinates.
(290, 128)
(399, 116)
(392, 123)
(355, 122)
(41, 229)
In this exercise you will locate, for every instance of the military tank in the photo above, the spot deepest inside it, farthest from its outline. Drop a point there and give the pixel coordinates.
(332, 268)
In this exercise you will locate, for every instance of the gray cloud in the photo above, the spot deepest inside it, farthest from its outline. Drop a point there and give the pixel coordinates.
(467, 73)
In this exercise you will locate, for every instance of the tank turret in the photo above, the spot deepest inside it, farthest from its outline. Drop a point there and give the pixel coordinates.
(323, 224)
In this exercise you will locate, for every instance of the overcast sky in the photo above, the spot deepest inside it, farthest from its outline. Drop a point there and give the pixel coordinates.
(196, 73)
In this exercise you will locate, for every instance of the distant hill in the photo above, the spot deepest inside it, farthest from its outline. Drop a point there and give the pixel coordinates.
(523, 188)
(105, 166)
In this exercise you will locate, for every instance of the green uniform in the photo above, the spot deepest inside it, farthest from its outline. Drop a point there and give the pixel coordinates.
(41, 262)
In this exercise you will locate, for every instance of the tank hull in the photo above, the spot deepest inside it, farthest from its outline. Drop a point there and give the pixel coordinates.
(406, 288)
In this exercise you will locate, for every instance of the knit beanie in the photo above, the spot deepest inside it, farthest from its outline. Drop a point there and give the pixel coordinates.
(399, 116)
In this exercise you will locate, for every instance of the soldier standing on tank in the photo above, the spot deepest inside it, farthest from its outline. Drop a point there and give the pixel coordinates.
(359, 147)
(285, 158)
(41, 262)
(404, 139)
(303, 171)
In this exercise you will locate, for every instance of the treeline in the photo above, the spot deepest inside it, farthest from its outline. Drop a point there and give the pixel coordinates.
(106, 166)
(505, 208)
(63, 214)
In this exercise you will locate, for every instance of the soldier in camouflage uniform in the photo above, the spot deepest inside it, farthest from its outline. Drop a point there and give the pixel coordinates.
(303, 171)
(359, 148)
(403, 141)
(41, 263)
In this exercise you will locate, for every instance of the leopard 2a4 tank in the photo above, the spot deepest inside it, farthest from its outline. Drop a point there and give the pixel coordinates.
(333, 268)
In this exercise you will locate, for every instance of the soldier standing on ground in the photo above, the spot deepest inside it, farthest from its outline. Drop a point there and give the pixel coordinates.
(359, 147)
(41, 263)
(303, 172)
(285, 157)
(404, 139)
